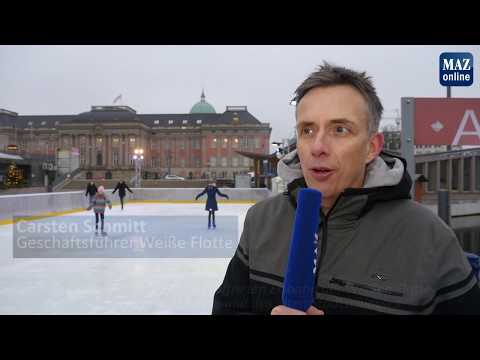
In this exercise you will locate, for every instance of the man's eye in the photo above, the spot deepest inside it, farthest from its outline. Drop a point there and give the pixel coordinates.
(307, 131)
(341, 130)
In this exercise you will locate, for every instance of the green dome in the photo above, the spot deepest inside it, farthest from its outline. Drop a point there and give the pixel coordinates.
(202, 107)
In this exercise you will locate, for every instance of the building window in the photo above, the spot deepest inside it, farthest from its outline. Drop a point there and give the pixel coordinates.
(477, 175)
(132, 139)
(56, 123)
(197, 163)
(44, 123)
(257, 143)
(156, 122)
(213, 161)
(115, 158)
(98, 142)
(443, 174)
(116, 140)
(467, 172)
(246, 162)
(214, 143)
(99, 158)
(30, 123)
(224, 161)
(455, 173)
(225, 143)
(170, 122)
(182, 163)
(235, 162)
(182, 144)
(235, 143)
(199, 122)
(197, 144)
(432, 176)
(184, 122)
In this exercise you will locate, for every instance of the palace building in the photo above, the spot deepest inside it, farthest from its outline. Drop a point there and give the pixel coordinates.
(198, 144)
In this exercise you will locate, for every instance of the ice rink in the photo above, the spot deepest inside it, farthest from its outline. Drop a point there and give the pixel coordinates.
(117, 285)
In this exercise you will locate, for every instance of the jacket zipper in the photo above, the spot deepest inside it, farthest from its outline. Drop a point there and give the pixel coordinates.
(323, 247)
(363, 286)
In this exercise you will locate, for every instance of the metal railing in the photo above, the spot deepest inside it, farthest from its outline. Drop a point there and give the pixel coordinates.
(64, 180)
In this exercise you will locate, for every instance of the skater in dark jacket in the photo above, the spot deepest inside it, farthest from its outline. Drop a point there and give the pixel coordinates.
(91, 191)
(121, 186)
(211, 206)
(99, 203)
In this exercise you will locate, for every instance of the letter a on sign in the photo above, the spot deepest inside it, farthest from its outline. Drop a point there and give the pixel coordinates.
(469, 114)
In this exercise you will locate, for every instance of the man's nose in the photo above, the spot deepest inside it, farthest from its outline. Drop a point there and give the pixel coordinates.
(320, 145)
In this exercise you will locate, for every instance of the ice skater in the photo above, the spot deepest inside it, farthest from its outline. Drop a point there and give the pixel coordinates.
(211, 206)
(121, 186)
(91, 191)
(99, 203)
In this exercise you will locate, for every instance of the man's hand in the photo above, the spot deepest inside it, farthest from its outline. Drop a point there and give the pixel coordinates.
(284, 310)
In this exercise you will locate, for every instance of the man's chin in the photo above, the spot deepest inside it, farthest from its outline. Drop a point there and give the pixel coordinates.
(312, 184)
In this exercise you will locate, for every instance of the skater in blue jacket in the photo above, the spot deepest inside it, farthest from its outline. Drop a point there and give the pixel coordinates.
(211, 206)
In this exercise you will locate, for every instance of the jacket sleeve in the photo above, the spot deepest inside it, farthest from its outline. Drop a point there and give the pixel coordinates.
(466, 304)
(233, 296)
(88, 188)
(201, 194)
(457, 288)
(221, 194)
(128, 188)
(116, 188)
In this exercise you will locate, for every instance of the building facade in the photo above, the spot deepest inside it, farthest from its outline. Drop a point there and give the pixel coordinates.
(198, 144)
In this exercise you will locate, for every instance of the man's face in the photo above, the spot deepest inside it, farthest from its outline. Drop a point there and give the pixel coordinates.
(332, 140)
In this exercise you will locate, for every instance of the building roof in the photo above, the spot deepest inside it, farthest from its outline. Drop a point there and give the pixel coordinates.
(233, 115)
(202, 107)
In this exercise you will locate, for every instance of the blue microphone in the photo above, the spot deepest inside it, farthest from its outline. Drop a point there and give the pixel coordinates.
(298, 288)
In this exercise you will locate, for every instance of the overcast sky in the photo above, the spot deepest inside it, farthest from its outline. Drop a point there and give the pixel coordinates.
(61, 80)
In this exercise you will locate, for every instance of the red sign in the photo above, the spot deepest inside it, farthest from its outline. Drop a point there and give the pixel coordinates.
(447, 121)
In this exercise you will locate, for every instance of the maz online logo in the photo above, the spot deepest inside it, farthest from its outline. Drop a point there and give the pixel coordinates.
(456, 69)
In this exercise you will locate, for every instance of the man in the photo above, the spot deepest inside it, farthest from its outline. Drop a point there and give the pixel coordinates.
(91, 191)
(380, 252)
(121, 186)
(211, 205)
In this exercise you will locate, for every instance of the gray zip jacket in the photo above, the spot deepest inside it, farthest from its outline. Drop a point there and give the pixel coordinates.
(380, 252)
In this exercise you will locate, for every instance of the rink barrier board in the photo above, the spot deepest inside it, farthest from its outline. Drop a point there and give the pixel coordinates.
(117, 203)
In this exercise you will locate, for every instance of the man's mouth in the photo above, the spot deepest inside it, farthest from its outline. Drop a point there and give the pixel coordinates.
(321, 172)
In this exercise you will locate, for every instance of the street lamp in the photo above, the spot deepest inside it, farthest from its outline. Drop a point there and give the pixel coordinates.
(138, 158)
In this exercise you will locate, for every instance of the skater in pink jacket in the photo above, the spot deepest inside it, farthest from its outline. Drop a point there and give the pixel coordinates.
(99, 203)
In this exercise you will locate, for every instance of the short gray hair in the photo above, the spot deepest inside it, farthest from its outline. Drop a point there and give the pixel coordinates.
(330, 75)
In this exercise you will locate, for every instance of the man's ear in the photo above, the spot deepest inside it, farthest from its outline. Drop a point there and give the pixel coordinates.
(375, 146)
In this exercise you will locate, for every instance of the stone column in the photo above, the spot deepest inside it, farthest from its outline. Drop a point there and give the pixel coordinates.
(90, 150)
